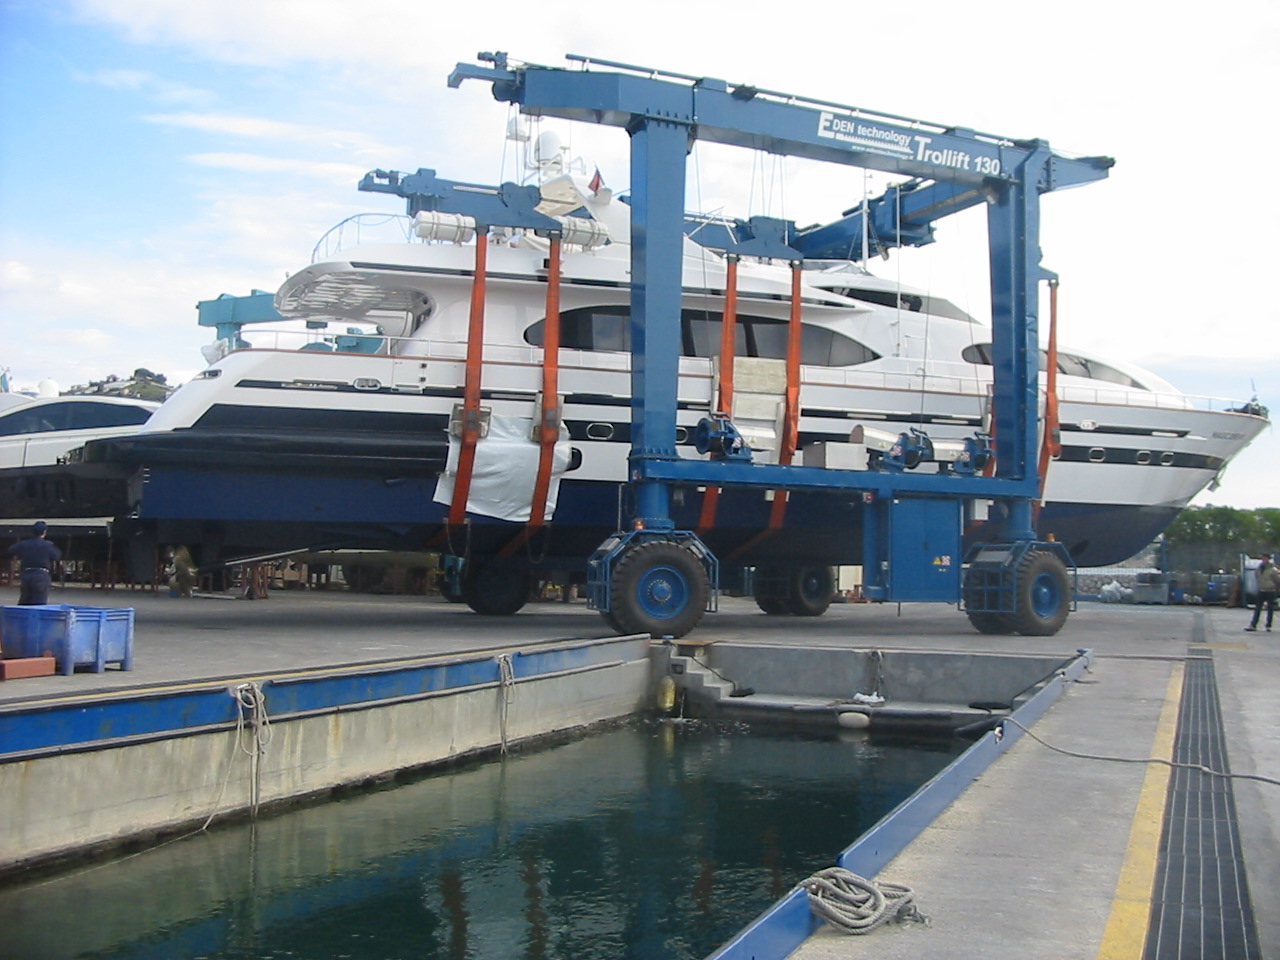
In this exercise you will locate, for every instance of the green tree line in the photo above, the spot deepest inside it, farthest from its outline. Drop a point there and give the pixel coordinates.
(1226, 525)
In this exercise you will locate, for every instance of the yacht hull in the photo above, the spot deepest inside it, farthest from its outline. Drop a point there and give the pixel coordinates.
(240, 512)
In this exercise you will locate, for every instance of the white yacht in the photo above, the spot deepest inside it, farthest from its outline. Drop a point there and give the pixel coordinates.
(42, 431)
(337, 430)
(39, 435)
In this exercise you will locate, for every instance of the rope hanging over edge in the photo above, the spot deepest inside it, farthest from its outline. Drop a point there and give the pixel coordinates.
(856, 905)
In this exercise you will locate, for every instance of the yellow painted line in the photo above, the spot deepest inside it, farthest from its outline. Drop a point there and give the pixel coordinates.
(1126, 932)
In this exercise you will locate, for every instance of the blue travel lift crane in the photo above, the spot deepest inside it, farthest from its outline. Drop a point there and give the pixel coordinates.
(657, 579)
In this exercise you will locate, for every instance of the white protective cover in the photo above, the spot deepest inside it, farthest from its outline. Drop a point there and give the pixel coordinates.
(506, 468)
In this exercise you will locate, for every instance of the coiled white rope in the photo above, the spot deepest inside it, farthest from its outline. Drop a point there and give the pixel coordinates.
(253, 723)
(855, 905)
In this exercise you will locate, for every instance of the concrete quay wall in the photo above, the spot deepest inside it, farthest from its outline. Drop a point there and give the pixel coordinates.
(68, 798)
(918, 676)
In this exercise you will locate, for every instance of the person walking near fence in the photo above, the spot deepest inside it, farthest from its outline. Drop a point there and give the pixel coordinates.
(1268, 590)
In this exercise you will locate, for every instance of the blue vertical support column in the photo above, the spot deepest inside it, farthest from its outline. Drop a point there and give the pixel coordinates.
(1013, 225)
(658, 151)
(873, 579)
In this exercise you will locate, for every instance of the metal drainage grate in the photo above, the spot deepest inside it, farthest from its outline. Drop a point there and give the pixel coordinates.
(1201, 907)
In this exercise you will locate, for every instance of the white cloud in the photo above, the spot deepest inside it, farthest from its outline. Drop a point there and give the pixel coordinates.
(86, 311)
(15, 275)
(92, 314)
(404, 44)
(343, 173)
(145, 82)
(259, 128)
(120, 79)
(272, 234)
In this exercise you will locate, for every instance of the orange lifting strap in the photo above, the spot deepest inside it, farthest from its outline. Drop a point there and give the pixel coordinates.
(1051, 443)
(471, 389)
(549, 428)
(724, 399)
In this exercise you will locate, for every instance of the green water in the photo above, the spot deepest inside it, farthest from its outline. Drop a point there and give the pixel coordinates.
(654, 841)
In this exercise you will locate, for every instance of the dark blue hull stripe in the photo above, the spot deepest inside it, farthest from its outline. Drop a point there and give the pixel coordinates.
(310, 510)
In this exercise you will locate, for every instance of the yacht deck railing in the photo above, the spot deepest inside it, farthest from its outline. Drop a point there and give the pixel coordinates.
(364, 228)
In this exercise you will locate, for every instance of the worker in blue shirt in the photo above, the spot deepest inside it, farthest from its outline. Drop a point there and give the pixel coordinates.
(38, 556)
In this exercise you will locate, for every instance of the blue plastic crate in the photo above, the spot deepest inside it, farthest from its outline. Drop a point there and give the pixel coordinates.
(74, 636)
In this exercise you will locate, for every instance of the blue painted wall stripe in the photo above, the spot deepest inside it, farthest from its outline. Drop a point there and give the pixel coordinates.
(53, 726)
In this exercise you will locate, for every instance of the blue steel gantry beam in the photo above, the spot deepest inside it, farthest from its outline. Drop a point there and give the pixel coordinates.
(902, 217)
(785, 124)
(664, 113)
(508, 205)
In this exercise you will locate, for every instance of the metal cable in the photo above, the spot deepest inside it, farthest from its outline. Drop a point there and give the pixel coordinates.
(1175, 764)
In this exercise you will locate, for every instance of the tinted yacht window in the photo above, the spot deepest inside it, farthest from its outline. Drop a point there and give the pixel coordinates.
(1068, 364)
(701, 334)
(1100, 371)
(85, 416)
(71, 416)
(593, 328)
(1072, 366)
(981, 353)
(607, 328)
(914, 302)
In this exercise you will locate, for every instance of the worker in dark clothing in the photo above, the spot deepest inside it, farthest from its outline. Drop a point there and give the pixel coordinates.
(1268, 590)
(38, 556)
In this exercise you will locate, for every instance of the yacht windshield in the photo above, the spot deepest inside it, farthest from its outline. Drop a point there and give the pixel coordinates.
(46, 417)
(914, 302)
(1068, 364)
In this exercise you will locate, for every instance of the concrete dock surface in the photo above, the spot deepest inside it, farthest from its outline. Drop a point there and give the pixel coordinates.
(1045, 855)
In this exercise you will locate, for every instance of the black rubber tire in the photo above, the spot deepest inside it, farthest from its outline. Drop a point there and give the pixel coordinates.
(495, 589)
(1043, 595)
(612, 621)
(769, 590)
(993, 623)
(987, 621)
(773, 606)
(809, 590)
(658, 588)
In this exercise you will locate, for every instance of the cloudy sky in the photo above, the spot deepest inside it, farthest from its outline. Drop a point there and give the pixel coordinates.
(155, 153)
